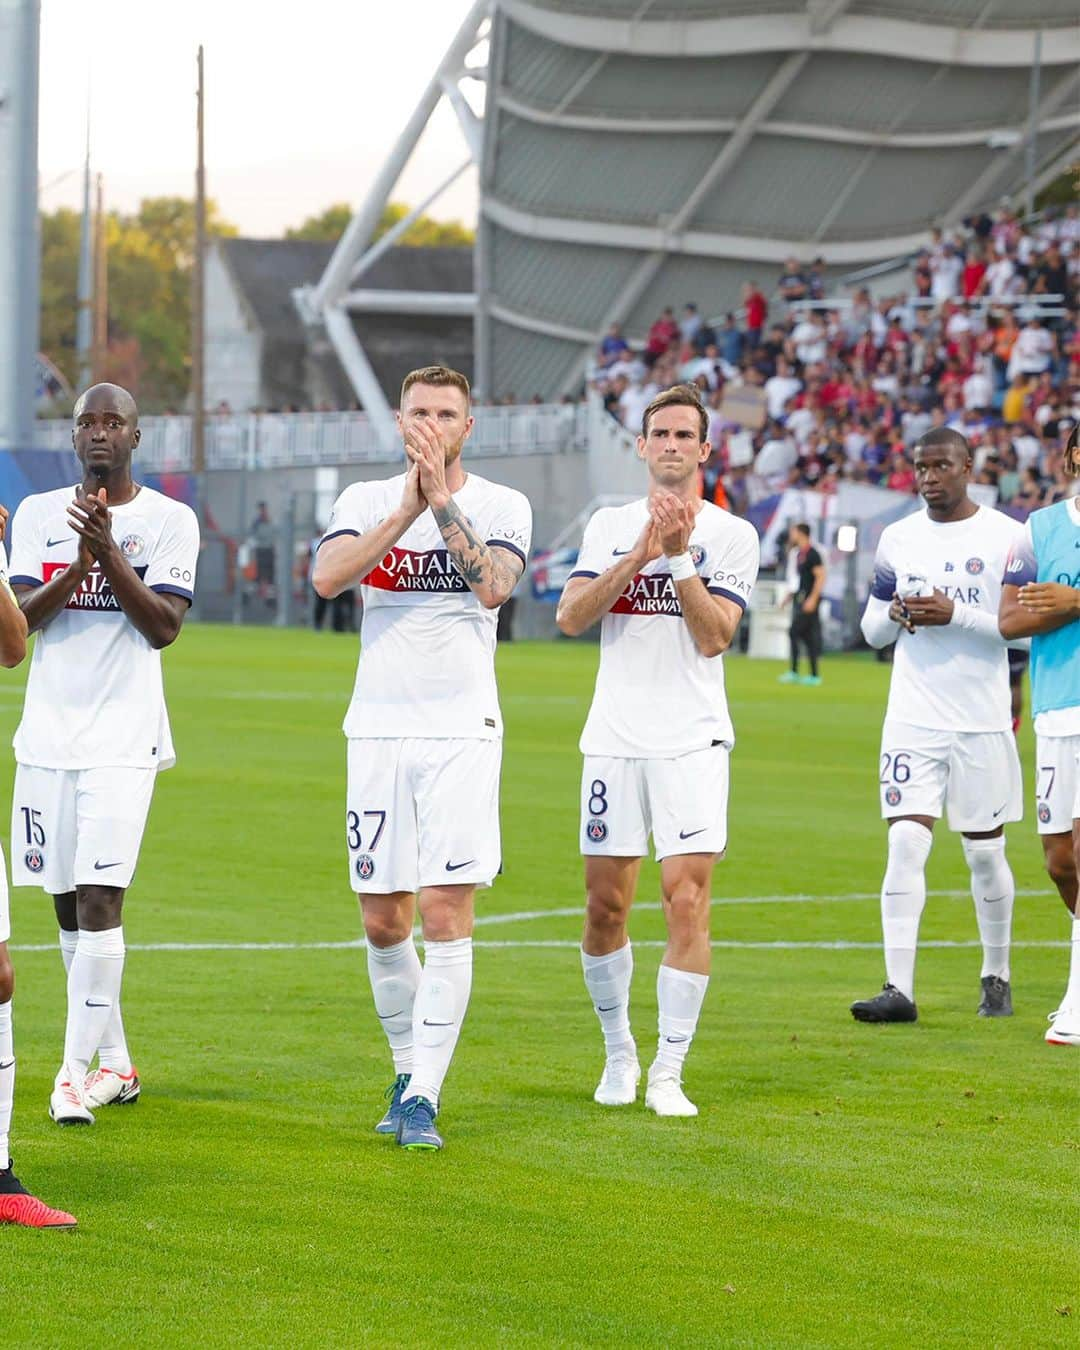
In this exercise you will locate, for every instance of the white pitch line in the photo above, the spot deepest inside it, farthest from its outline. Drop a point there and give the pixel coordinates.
(573, 911)
(569, 944)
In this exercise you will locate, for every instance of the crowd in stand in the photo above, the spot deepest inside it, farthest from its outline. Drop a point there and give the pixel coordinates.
(805, 391)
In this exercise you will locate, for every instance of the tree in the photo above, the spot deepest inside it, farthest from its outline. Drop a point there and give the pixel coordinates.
(150, 256)
(329, 225)
(1063, 191)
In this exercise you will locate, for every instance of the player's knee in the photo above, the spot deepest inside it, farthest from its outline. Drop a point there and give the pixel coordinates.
(7, 976)
(1061, 862)
(687, 907)
(605, 907)
(384, 929)
(99, 908)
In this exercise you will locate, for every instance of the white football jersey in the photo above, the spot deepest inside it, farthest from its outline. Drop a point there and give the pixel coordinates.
(656, 696)
(95, 697)
(954, 677)
(427, 644)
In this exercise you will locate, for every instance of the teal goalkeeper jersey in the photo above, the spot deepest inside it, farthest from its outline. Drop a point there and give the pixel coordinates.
(1053, 554)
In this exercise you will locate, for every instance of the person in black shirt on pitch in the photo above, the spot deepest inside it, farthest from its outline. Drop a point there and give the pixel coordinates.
(806, 574)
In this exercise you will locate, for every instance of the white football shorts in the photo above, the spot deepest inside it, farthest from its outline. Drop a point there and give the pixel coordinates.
(971, 776)
(1057, 783)
(5, 903)
(78, 827)
(422, 812)
(682, 802)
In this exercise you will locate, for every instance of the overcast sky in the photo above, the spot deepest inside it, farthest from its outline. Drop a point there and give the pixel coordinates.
(301, 109)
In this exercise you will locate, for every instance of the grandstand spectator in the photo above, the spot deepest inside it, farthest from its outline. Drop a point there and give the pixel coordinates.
(999, 278)
(756, 308)
(613, 346)
(946, 268)
(691, 324)
(779, 388)
(793, 284)
(732, 341)
(662, 334)
(1034, 350)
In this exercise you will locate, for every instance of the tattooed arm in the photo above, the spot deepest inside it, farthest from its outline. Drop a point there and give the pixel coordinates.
(491, 573)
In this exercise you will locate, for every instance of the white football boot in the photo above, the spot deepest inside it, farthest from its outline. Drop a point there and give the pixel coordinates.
(1064, 1028)
(620, 1079)
(664, 1094)
(106, 1087)
(67, 1105)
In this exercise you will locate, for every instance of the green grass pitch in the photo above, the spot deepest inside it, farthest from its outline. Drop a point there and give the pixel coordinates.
(844, 1185)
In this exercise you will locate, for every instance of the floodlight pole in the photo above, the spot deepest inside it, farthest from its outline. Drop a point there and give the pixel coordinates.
(198, 323)
(1033, 126)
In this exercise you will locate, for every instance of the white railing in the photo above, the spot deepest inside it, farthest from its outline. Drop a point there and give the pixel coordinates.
(298, 440)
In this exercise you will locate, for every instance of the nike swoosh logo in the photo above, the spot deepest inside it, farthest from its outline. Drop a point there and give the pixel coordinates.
(676, 1040)
(91, 1004)
(52, 543)
(689, 834)
(9, 1065)
(1000, 809)
(897, 892)
(619, 552)
(428, 1023)
(100, 866)
(385, 1017)
(611, 1009)
(456, 867)
(993, 899)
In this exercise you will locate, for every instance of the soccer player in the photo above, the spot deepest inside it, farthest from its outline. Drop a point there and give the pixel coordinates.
(947, 743)
(668, 576)
(805, 606)
(16, 1204)
(105, 574)
(437, 551)
(1041, 599)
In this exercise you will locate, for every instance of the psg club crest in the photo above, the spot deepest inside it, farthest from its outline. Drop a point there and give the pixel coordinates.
(1044, 812)
(892, 796)
(365, 867)
(34, 859)
(697, 554)
(974, 566)
(596, 830)
(132, 545)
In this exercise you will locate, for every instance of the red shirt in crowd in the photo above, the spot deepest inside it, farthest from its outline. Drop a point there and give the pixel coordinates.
(756, 309)
(974, 271)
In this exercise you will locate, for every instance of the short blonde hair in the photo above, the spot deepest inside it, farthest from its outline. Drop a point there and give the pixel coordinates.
(441, 376)
(678, 396)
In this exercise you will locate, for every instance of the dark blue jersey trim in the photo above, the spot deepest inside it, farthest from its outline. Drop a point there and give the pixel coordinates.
(166, 589)
(335, 534)
(25, 581)
(512, 548)
(590, 575)
(728, 595)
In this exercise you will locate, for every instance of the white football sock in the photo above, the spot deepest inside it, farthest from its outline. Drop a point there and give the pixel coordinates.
(993, 890)
(1072, 991)
(69, 945)
(441, 1001)
(679, 996)
(113, 1052)
(903, 899)
(7, 1081)
(93, 991)
(607, 979)
(395, 977)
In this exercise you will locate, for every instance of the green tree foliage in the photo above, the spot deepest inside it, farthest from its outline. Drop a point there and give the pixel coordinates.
(1063, 191)
(149, 279)
(329, 225)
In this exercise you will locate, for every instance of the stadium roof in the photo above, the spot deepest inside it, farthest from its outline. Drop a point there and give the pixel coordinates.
(637, 154)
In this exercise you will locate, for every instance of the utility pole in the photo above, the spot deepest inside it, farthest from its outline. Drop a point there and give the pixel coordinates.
(84, 299)
(198, 321)
(1033, 126)
(101, 287)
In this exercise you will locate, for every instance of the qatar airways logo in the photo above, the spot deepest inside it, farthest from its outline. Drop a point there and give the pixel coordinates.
(95, 593)
(402, 569)
(649, 595)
